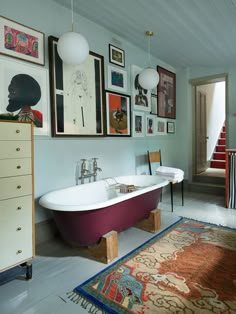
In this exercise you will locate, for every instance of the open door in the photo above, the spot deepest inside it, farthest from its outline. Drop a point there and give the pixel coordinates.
(201, 132)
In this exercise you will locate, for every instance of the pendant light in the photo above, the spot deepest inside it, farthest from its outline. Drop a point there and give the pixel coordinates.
(149, 77)
(72, 47)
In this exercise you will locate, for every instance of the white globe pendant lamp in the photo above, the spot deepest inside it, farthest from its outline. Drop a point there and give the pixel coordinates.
(72, 47)
(149, 77)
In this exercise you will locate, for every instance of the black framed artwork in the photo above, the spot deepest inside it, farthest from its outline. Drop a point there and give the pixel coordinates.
(77, 95)
(166, 94)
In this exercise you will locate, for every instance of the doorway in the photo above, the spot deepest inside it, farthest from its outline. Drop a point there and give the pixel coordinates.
(209, 108)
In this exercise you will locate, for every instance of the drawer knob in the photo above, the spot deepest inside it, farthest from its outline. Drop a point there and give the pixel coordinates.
(18, 229)
(18, 149)
(17, 131)
(19, 251)
(18, 167)
(18, 187)
(19, 208)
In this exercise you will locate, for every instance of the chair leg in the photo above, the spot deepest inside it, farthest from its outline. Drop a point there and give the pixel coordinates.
(182, 188)
(171, 195)
(161, 196)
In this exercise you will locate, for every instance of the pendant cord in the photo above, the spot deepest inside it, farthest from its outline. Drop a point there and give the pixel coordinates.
(72, 17)
(149, 58)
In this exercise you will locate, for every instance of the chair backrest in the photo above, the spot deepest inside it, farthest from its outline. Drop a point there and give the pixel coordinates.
(153, 157)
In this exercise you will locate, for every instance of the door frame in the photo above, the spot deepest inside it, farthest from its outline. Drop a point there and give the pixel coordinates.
(198, 82)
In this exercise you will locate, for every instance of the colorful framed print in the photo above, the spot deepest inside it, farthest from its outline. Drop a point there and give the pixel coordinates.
(118, 114)
(77, 95)
(166, 92)
(161, 126)
(150, 125)
(141, 98)
(24, 94)
(21, 42)
(138, 124)
(117, 79)
(116, 56)
(170, 127)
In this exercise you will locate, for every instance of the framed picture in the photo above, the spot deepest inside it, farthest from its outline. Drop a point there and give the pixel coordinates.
(138, 124)
(21, 42)
(141, 98)
(150, 125)
(153, 104)
(77, 95)
(116, 56)
(24, 93)
(166, 91)
(117, 79)
(171, 127)
(118, 114)
(161, 126)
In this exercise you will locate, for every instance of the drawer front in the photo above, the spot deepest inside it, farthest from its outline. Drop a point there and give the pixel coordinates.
(15, 210)
(15, 246)
(15, 131)
(15, 186)
(15, 167)
(15, 149)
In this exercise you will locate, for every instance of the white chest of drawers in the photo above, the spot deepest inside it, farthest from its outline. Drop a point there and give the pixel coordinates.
(17, 232)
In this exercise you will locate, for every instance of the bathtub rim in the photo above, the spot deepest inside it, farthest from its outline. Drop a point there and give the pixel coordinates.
(94, 206)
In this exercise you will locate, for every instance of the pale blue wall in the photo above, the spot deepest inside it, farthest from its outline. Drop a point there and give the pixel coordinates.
(55, 158)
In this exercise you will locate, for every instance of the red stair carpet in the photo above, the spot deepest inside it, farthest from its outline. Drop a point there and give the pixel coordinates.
(218, 158)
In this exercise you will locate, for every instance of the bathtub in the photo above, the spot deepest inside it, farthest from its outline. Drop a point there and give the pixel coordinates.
(84, 213)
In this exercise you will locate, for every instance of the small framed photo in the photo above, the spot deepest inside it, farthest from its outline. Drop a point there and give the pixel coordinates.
(153, 104)
(138, 124)
(116, 56)
(161, 126)
(118, 114)
(170, 127)
(141, 98)
(166, 93)
(150, 125)
(21, 42)
(117, 79)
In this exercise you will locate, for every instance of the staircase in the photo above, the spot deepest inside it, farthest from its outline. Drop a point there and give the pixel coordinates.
(218, 158)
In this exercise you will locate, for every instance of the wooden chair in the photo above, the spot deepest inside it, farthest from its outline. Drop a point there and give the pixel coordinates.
(155, 158)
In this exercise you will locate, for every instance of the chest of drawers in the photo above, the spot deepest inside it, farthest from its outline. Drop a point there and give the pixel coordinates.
(17, 232)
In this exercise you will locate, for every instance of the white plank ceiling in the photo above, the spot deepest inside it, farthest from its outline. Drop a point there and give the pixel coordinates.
(186, 32)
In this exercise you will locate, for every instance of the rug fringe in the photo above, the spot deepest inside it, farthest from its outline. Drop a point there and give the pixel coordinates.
(77, 298)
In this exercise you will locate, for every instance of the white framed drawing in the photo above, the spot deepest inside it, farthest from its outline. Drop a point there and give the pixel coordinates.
(150, 125)
(161, 126)
(24, 93)
(138, 124)
(116, 79)
(141, 98)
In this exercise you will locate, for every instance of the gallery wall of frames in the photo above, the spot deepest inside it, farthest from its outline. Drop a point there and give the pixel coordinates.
(78, 99)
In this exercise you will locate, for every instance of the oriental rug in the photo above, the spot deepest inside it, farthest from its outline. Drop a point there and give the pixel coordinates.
(188, 268)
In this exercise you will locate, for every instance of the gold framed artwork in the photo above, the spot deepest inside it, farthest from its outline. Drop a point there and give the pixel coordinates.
(21, 42)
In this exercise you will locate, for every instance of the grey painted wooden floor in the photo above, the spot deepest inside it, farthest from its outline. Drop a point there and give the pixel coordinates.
(57, 269)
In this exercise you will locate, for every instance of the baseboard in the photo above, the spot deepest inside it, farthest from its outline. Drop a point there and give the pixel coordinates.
(45, 231)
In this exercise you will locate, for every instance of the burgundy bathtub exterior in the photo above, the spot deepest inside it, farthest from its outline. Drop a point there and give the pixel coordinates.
(84, 228)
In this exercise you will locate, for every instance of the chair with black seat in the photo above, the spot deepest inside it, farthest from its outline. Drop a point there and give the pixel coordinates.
(173, 175)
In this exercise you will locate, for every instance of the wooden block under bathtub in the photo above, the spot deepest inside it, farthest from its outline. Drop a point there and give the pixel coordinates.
(152, 223)
(107, 249)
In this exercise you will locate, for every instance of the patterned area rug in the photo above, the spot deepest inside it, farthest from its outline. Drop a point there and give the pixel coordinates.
(188, 268)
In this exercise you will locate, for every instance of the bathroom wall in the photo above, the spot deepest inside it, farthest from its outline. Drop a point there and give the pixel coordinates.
(56, 158)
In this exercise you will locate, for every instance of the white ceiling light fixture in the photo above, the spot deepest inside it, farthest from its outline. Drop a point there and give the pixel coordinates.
(72, 47)
(149, 77)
